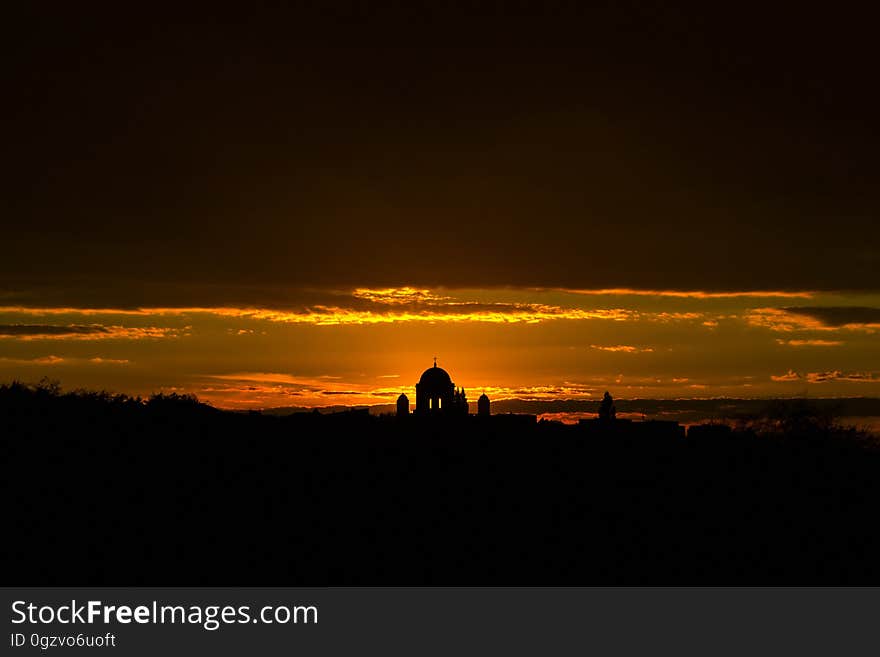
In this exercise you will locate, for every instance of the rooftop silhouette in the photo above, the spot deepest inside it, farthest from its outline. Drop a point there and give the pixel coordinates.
(170, 490)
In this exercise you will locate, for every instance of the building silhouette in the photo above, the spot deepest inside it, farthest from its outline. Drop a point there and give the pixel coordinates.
(483, 408)
(437, 395)
(402, 405)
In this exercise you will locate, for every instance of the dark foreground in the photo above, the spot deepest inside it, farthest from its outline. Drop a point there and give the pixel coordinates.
(102, 490)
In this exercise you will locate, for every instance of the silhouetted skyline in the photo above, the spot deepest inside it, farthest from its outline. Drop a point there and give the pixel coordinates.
(181, 491)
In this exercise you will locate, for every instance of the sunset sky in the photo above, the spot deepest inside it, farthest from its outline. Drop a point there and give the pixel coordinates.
(302, 208)
(366, 346)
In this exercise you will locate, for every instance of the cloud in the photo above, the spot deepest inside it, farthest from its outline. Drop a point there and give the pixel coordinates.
(694, 294)
(385, 305)
(786, 320)
(267, 389)
(499, 313)
(839, 316)
(783, 321)
(48, 360)
(105, 296)
(566, 390)
(810, 343)
(828, 376)
(276, 378)
(624, 348)
(59, 360)
(83, 332)
(837, 375)
(368, 306)
(15, 330)
(397, 295)
(790, 375)
(667, 317)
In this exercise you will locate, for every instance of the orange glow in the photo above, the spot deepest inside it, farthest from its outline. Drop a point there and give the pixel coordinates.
(364, 346)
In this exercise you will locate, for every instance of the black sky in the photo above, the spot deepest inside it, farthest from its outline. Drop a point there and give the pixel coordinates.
(480, 144)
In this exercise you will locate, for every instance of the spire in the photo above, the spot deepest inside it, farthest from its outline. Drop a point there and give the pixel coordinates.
(435, 361)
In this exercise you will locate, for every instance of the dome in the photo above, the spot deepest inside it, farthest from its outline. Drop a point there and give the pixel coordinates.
(483, 396)
(435, 377)
(403, 397)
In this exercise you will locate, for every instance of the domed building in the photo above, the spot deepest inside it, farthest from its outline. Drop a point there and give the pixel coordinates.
(436, 394)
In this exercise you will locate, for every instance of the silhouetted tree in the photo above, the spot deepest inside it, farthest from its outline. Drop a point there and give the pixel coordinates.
(606, 408)
(49, 387)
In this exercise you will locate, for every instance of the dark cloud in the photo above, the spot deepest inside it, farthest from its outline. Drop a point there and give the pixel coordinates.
(129, 294)
(85, 332)
(126, 295)
(15, 330)
(666, 147)
(159, 298)
(839, 315)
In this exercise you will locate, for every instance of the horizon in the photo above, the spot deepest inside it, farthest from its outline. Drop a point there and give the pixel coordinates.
(847, 410)
(366, 346)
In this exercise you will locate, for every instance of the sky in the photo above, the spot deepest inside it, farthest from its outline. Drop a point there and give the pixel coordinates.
(304, 206)
(366, 346)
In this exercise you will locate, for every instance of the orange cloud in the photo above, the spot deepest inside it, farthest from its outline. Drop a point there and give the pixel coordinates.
(690, 294)
(837, 375)
(625, 348)
(506, 314)
(791, 375)
(787, 320)
(674, 317)
(811, 343)
(779, 319)
(48, 360)
(502, 313)
(397, 295)
(59, 360)
(829, 375)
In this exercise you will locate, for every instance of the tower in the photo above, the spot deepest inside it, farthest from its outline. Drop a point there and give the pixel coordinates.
(483, 408)
(402, 405)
